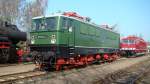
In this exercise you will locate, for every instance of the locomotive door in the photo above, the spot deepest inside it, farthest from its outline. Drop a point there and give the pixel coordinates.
(71, 36)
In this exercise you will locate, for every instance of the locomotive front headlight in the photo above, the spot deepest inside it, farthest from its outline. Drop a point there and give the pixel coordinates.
(133, 48)
(32, 39)
(53, 39)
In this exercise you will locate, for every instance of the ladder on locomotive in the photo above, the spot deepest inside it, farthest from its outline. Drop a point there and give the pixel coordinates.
(71, 51)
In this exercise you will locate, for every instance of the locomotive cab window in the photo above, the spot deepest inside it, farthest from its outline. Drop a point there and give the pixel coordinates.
(70, 23)
(67, 23)
(124, 41)
(50, 23)
(44, 24)
(128, 41)
(64, 23)
(131, 41)
(36, 24)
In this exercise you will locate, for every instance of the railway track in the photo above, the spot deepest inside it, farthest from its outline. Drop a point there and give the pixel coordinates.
(134, 77)
(33, 76)
(10, 78)
(7, 65)
(131, 75)
(141, 75)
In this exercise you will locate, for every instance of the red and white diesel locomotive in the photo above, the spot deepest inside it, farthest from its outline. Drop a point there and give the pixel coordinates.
(133, 46)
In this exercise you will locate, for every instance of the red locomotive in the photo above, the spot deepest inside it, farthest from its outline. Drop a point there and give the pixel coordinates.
(133, 46)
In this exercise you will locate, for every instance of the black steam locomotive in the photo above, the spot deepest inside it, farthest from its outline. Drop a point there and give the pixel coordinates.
(10, 35)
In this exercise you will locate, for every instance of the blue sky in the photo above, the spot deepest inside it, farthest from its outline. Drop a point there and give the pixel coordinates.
(131, 16)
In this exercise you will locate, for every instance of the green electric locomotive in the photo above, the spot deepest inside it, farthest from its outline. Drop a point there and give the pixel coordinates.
(67, 39)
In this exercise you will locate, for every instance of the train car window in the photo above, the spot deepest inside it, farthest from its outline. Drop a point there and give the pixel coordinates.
(51, 23)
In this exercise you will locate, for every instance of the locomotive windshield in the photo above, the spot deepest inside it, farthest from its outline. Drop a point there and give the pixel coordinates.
(124, 41)
(50, 23)
(36, 24)
(131, 41)
(44, 24)
(128, 41)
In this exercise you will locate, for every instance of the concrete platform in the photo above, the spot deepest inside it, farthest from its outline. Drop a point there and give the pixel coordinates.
(16, 69)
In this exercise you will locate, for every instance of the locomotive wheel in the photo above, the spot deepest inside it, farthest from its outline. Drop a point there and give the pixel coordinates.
(4, 55)
(38, 64)
(13, 57)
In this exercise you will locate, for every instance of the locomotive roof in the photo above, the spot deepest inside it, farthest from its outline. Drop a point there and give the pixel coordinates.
(38, 17)
(133, 38)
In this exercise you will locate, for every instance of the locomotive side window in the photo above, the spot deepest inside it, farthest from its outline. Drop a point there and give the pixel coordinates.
(70, 23)
(67, 23)
(51, 23)
(64, 23)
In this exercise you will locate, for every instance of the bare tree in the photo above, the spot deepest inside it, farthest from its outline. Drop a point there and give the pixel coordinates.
(29, 10)
(22, 11)
(9, 10)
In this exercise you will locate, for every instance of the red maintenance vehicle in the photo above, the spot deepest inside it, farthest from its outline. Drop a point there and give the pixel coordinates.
(133, 46)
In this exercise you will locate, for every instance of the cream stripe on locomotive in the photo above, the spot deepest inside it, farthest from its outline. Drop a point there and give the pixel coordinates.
(95, 47)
